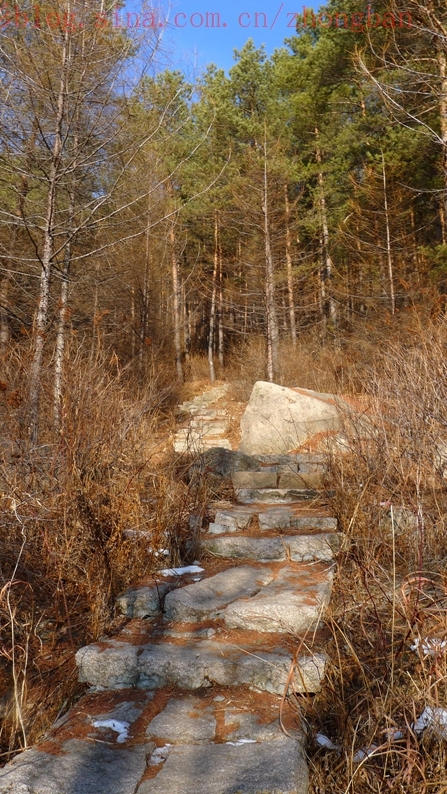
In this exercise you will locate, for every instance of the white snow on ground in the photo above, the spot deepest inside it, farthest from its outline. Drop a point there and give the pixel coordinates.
(159, 755)
(432, 719)
(182, 571)
(242, 741)
(122, 728)
(430, 645)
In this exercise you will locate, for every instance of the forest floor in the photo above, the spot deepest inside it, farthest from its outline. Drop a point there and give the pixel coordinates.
(67, 522)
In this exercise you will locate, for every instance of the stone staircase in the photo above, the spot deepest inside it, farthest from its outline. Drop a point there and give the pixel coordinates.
(206, 427)
(187, 697)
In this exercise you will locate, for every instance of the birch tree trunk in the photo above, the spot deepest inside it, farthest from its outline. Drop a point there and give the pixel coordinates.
(145, 296)
(62, 325)
(5, 284)
(213, 302)
(442, 66)
(4, 321)
(289, 270)
(272, 320)
(388, 241)
(221, 309)
(327, 272)
(176, 307)
(41, 320)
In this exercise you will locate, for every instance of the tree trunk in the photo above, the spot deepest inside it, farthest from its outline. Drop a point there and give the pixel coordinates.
(145, 297)
(220, 309)
(4, 321)
(327, 272)
(442, 66)
(388, 241)
(289, 270)
(41, 321)
(272, 321)
(213, 302)
(176, 308)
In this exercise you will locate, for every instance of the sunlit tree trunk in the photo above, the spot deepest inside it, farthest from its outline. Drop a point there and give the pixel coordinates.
(388, 240)
(41, 320)
(176, 307)
(272, 321)
(442, 67)
(327, 273)
(62, 324)
(213, 301)
(289, 269)
(221, 311)
(145, 296)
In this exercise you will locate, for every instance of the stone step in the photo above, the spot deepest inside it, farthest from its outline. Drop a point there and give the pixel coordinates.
(273, 495)
(274, 479)
(205, 399)
(114, 664)
(199, 444)
(217, 716)
(208, 414)
(132, 742)
(274, 516)
(288, 600)
(293, 602)
(297, 459)
(206, 600)
(80, 757)
(299, 548)
(205, 427)
(277, 767)
(143, 601)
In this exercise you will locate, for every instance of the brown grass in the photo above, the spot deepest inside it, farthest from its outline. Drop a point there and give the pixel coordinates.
(68, 506)
(391, 586)
(83, 516)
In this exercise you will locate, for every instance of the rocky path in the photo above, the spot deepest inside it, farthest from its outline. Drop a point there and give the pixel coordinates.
(187, 697)
(206, 426)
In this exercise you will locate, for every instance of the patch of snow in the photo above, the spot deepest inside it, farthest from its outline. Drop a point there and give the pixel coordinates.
(182, 571)
(434, 719)
(121, 728)
(242, 741)
(159, 755)
(324, 741)
(365, 752)
(430, 645)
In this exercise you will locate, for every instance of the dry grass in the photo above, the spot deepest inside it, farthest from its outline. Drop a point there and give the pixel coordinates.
(83, 516)
(391, 587)
(311, 365)
(68, 508)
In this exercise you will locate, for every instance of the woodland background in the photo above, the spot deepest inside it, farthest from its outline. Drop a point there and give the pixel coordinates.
(285, 222)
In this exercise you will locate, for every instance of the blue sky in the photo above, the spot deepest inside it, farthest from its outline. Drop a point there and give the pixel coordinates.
(204, 31)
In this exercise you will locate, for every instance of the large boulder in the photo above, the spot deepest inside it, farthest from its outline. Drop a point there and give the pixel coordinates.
(278, 419)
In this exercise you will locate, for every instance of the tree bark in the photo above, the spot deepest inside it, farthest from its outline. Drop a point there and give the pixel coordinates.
(388, 240)
(213, 302)
(442, 66)
(41, 321)
(327, 272)
(289, 270)
(176, 307)
(145, 296)
(220, 311)
(272, 320)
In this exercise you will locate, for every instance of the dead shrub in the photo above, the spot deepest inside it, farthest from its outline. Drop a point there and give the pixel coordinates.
(83, 516)
(388, 616)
